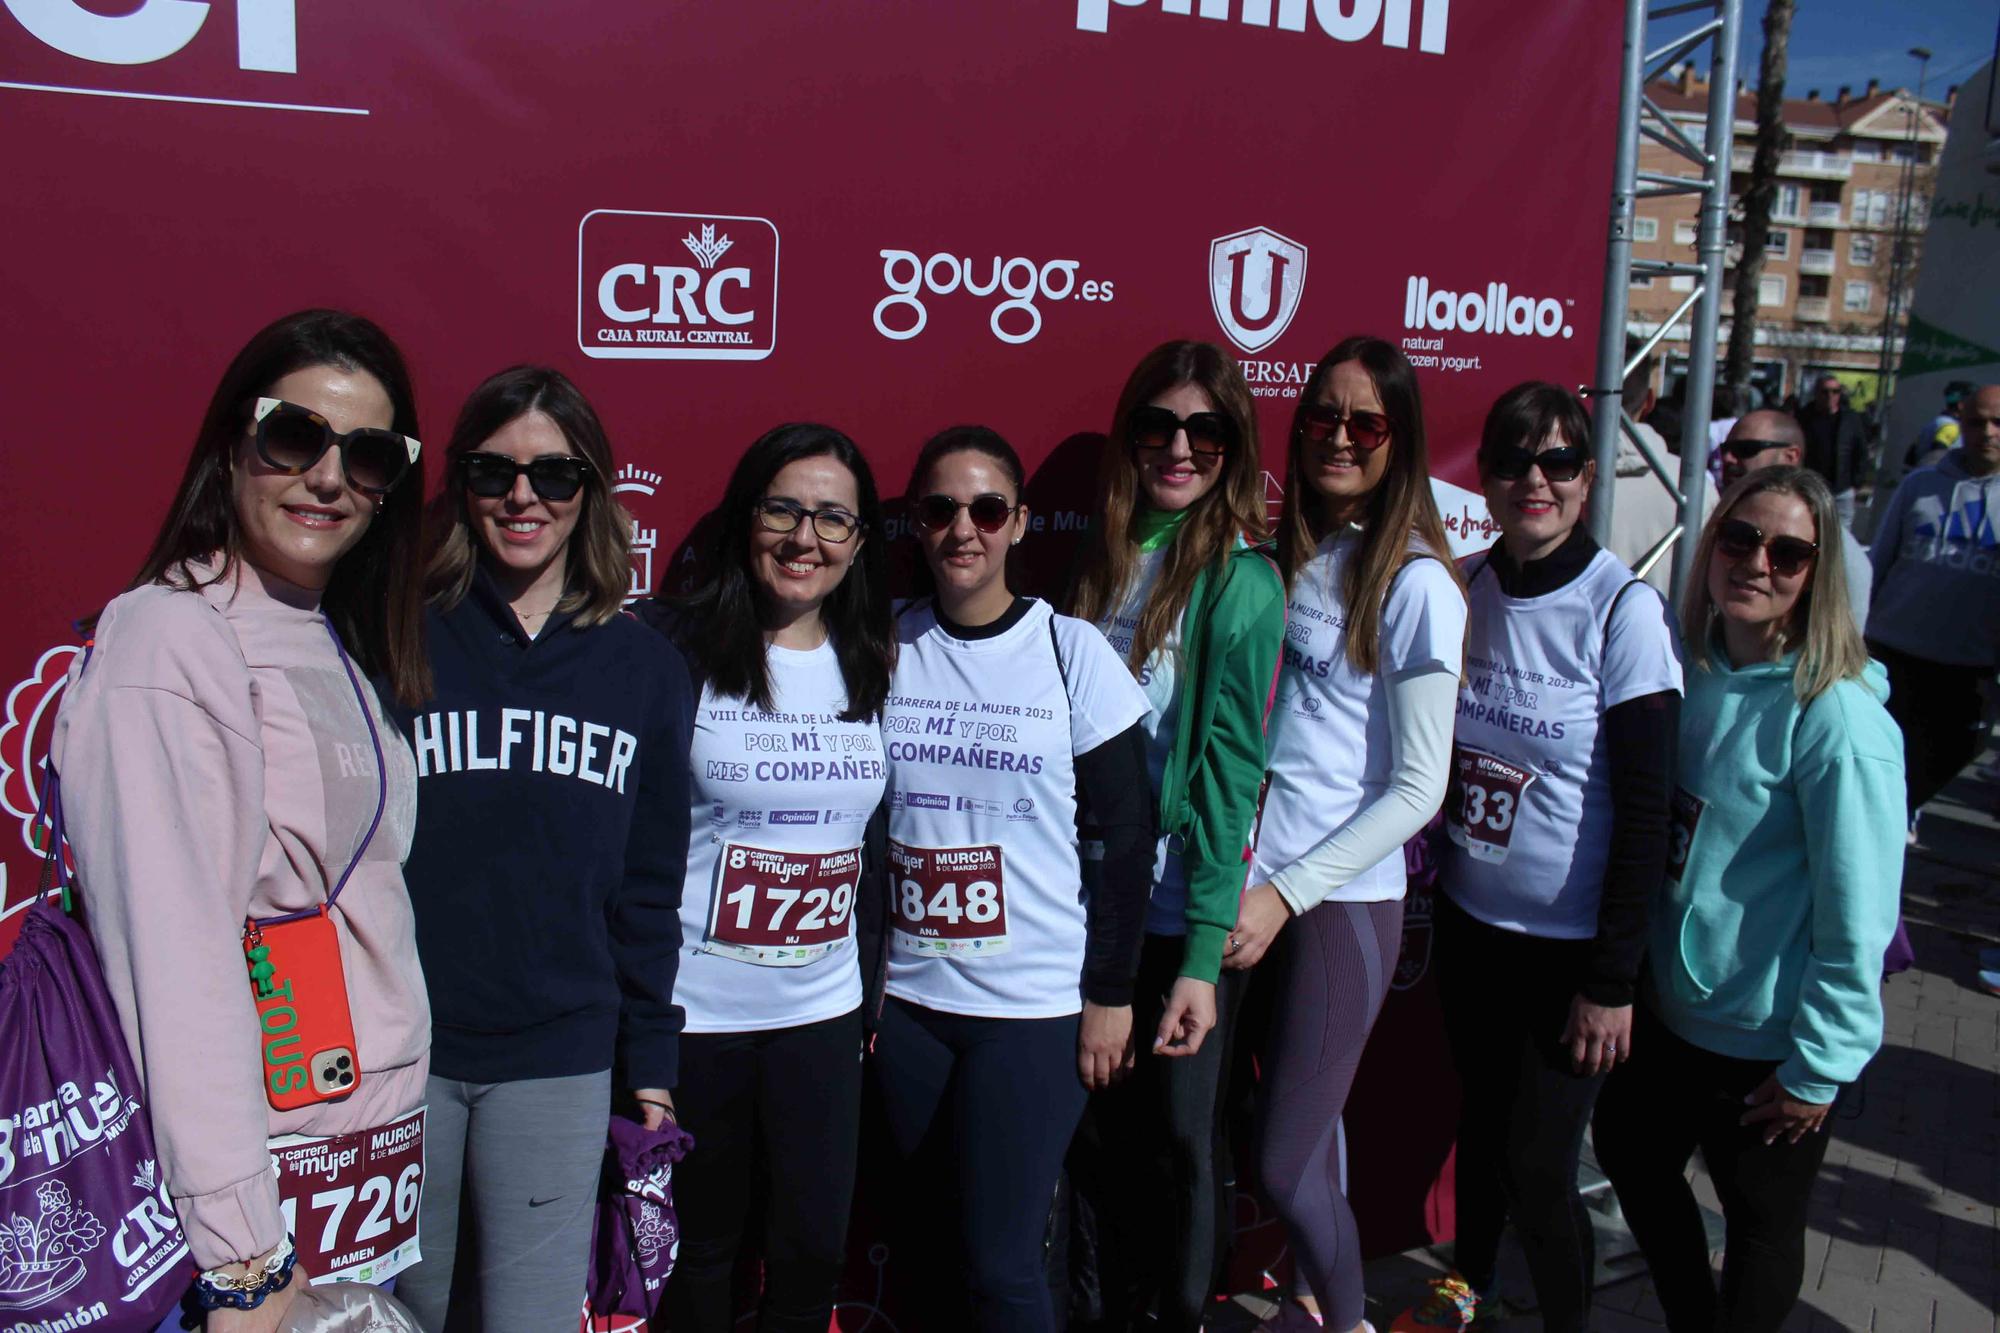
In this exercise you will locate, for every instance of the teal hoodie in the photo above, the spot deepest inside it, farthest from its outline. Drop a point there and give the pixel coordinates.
(1788, 838)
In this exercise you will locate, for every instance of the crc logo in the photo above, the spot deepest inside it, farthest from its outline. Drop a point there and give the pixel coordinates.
(267, 31)
(1493, 310)
(1021, 281)
(1255, 281)
(676, 286)
(1342, 20)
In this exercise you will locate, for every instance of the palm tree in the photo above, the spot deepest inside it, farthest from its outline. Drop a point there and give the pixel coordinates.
(1759, 192)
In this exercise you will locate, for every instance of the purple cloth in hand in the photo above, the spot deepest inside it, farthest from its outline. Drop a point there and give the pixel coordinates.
(638, 1235)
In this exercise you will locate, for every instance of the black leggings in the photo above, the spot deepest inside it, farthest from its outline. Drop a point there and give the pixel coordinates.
(1657, 1108)
(776, 1119)
(1149, 1160)
(981, 1110)
(1937, 707)
(1522, 1114)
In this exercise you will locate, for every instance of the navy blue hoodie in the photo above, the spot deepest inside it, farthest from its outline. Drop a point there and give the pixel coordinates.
(552, 833)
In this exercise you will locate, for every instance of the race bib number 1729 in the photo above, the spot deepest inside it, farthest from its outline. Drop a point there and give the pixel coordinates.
(949, 900)
(782, 909)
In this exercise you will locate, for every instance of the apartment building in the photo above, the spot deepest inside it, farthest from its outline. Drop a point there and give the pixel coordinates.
(1824, 289)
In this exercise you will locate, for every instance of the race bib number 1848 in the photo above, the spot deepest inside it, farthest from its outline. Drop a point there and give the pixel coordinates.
(1483, 801)
(949, 900)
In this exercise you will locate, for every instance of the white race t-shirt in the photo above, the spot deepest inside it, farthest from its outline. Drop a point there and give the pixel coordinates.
(1328, 741)
(778, 804)
(1528, 812)
(988, 914)
(1160, 678)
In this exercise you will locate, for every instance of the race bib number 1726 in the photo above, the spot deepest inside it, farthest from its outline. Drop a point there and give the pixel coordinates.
(350, 1201)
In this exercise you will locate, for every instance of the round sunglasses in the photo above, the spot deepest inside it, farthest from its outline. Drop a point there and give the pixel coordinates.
(554, 477)
(1737, 539)
(989, 513)
(1320, 423)
(1209, 434)
(1510, 462)
(292, 439)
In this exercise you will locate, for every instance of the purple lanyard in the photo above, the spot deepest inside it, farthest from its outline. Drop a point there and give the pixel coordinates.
(381, 798)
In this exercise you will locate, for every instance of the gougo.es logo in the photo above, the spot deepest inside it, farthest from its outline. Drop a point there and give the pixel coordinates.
(902, 315)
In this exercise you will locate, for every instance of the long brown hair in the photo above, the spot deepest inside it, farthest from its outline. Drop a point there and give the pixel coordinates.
(1233, 506)
(1821, 627)
(1399, 511)
(374, 598)
(598, 563)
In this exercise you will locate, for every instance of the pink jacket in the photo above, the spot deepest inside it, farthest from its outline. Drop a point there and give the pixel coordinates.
(215, 765)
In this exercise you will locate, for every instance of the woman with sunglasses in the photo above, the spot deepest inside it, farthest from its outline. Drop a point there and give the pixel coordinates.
(1556, 819)
(225, 761)
(1170, 576)
(788, 636)
(1360, 735)
(546, 869)
(1008, 994)
(1763, 989)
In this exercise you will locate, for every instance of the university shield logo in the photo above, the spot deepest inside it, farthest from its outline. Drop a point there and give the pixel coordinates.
(1255, 280)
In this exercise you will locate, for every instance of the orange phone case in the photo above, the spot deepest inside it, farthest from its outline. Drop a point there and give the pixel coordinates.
(300, 990)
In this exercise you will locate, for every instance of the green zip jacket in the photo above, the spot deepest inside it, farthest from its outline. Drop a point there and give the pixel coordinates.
(1231, 634)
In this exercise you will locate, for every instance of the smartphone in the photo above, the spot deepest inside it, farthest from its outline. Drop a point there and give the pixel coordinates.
(300, 989)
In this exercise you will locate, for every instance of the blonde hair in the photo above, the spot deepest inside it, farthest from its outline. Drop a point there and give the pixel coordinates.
(598, 571)
(1233, 506)
(1821, 626)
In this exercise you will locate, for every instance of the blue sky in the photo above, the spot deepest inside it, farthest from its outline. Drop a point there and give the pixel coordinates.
(1853, 41)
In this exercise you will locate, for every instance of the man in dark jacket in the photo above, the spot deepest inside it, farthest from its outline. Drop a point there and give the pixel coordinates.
(1836, 443)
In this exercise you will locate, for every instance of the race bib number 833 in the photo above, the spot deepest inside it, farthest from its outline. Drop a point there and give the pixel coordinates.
(1483, 801)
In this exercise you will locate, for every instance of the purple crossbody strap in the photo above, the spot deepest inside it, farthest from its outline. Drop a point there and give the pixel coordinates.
(381, 797)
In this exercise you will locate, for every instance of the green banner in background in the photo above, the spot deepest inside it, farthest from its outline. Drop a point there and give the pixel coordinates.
(1928, 348)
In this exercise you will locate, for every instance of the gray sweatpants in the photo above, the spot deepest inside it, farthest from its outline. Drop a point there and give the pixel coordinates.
(524, 1156)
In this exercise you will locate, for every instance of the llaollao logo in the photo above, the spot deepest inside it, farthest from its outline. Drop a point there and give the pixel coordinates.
(24, 747)
(1256, 279)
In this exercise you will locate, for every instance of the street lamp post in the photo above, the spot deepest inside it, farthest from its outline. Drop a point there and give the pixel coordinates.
(1900, 249)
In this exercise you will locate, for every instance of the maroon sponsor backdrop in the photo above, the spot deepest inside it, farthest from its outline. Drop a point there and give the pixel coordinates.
(890, 216)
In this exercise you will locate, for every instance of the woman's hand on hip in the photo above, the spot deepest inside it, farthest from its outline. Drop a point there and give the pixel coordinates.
(1598, 1036)
(1261, 915)
(1781, 1113)
(1103, 1044)
(1190, 1016)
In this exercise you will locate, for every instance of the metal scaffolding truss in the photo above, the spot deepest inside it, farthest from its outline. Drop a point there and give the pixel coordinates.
(1639, 115)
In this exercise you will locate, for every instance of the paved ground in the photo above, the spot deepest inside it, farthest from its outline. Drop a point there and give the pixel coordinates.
(1904, 1232)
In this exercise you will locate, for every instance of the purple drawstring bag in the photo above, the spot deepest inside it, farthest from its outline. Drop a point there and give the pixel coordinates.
(638, 1235)
(87, 1233)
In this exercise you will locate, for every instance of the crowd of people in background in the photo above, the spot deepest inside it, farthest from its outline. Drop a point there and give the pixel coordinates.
(1016, 857)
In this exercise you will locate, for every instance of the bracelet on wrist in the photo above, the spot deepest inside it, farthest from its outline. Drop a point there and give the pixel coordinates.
(217, 1290)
